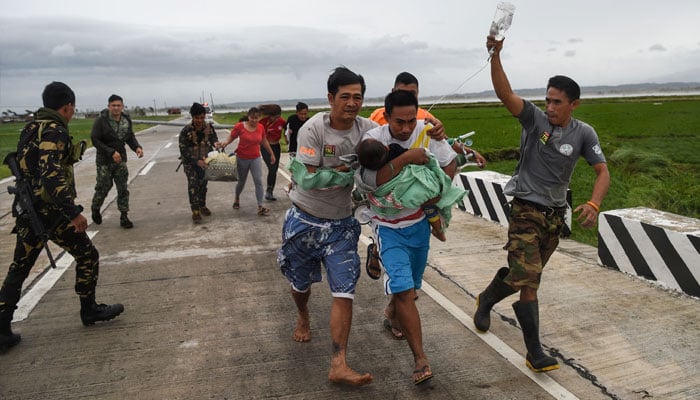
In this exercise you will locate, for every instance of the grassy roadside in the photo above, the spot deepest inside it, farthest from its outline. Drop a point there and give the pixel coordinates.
(78, 128)
(652, 145)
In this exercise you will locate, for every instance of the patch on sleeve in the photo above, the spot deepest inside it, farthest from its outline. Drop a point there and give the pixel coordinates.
(309, 151)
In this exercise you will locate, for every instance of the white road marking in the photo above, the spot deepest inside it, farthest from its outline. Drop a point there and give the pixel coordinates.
(49, 279)
(147, 168)
(543, 380)
(27, 303)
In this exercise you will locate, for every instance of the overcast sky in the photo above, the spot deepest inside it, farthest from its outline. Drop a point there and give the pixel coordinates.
(174, 51)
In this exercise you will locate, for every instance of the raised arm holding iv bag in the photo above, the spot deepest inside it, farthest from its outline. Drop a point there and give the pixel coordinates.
(501, 22)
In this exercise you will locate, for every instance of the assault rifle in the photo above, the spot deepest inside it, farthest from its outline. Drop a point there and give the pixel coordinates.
(23, 206)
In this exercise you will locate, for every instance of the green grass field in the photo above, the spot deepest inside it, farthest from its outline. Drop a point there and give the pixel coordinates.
(652, 145)
(78, 128)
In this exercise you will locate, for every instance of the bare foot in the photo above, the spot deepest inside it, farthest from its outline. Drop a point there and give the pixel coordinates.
(422, 372)
(345, 375)
(302, 332)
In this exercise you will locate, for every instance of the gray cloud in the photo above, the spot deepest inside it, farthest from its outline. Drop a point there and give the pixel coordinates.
(104, 55)
(657, 47)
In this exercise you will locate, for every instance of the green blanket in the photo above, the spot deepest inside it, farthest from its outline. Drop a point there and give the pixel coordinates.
(413, 186)
(321, 179)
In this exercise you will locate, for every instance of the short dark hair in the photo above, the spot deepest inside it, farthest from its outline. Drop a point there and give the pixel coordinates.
(253, 110)
(115, 97)
(371, 154)
(342, 76)
(399, 98)
(566, 85)
(270, 109)
(405, 78)
(57, 95)
(302, 106)
(197, 109)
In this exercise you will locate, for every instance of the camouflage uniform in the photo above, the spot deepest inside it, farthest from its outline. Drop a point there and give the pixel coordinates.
(47, 161)
(194, 146)
(533, 235)
(109, 136)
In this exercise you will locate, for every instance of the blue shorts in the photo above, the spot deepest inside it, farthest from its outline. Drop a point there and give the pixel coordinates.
(308, 241)
(404, 254)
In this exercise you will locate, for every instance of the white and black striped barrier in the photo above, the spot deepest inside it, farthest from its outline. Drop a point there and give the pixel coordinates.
(653, 244)
(486, 198)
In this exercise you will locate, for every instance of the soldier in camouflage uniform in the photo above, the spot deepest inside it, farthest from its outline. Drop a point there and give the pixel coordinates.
(110, 132)
(551, 143)
(45, 155)
(196, 141)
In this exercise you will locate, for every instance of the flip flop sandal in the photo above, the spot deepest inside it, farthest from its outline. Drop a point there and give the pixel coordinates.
(373, 263)
(236, 205)
(424, 377)
(263, 211)
(395, 332)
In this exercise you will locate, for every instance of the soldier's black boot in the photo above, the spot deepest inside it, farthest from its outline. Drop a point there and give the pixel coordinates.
(96, 216)
(529, 317)
(7, 338)
(124, 221)
(91, 312)
(496, 291)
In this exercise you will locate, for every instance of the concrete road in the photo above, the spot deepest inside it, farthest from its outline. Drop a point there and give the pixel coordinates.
(208, 314)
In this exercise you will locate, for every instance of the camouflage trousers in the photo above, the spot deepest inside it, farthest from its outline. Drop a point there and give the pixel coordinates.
(196, 186)
(533, 236)
(29, 247)
(106, 174)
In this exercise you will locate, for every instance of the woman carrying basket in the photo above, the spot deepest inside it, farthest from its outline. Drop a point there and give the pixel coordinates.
(251, 136)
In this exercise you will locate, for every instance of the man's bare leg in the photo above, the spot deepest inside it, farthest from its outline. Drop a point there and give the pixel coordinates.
(302, 331)
(407, 313)
(341, 320)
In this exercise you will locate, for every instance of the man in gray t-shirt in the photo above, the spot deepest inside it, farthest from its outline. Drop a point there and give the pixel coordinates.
(319, 229)
(550, 145)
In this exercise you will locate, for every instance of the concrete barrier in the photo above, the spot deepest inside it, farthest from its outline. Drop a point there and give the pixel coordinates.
(653, 244)
(486, 198)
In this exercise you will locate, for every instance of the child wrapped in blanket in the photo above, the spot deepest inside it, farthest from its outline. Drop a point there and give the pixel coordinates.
(424, 186)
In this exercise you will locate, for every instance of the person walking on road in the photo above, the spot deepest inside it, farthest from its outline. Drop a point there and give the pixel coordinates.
(251, 138)
(196, 140)
(110, 132)
(274, 125)
(293, 125)
(404, 81)
(550, 144)
(319, 227)
(404, 237)
(45, 155)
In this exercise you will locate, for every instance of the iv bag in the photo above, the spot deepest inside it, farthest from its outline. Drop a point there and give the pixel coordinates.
(502, 20)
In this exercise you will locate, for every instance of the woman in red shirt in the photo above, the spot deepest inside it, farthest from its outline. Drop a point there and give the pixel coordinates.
(274, 125)
(251, 136)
